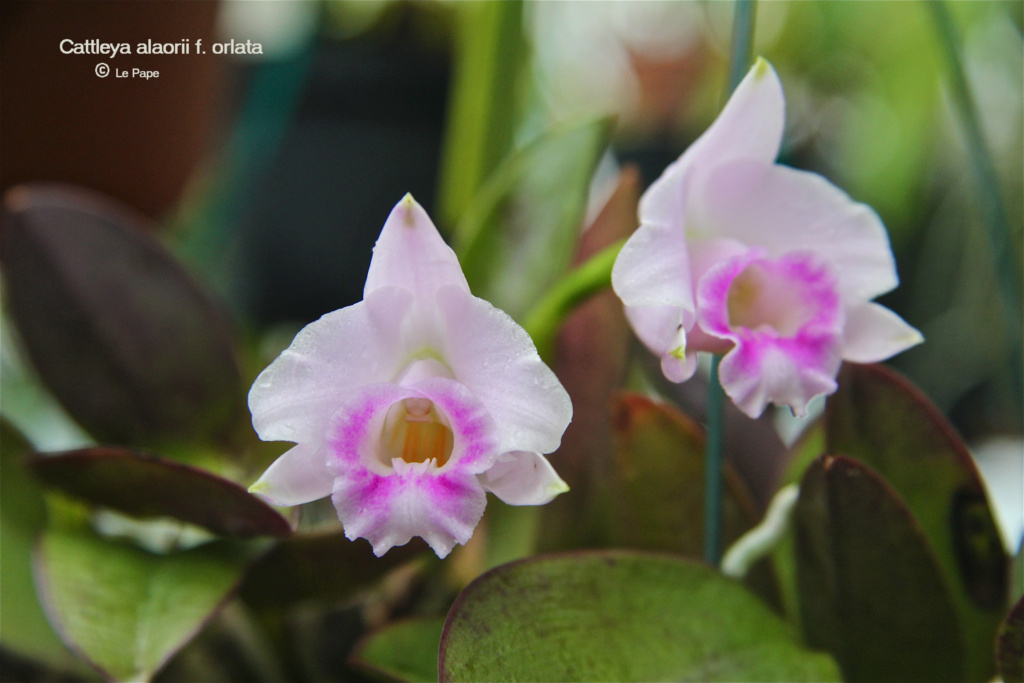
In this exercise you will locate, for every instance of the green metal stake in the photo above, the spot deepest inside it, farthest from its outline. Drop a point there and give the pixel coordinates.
(740, 57)
(713, 471)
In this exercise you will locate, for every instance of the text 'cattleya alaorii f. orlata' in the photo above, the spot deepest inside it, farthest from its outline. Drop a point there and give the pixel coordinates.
(407, 407)
(772, 266)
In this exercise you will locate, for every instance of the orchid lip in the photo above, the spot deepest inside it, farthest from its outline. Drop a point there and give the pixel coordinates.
(415, 431)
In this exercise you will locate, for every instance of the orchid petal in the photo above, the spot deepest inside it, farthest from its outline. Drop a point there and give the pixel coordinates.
(660, 328)
(411, 254)
(754, 375)
(523, 478)
(496, 360)
(749, 127)
(389, 510)
(678, 369)
(874, 333)
(652, 269)
(783, 209)
(299, 476)
(293, 398)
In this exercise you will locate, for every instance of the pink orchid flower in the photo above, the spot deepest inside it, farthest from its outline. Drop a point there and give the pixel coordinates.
(410, 405)
(772, 266)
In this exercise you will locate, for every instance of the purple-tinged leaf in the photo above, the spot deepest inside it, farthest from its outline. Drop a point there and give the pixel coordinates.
(655, 496)
(128, 343)
(871, 590)
(879, 418)
(590, 360)
(1010, 646)
(144, 485)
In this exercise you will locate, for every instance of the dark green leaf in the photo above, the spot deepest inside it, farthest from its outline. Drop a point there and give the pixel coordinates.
(126, 610)
(882, 420)
(618, 616)
(402, 651)
(1010, 646)
(117, 330)
(871, 591)
(519, 233)
(320, 566)
(147, 486)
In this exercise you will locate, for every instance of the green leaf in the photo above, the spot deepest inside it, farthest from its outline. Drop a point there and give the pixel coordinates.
(618, 616)
(323, 566)
(1010, 646)
(144, 485)
(655, 499)
(871, 591)
(519, 233)
(127, 342)
(481, 115)
(882, 420)
(23, 626)
(402, 651)
(128, 611)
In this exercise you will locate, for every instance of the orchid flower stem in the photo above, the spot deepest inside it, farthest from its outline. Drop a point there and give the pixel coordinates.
(991, 204)
(713, 471)
(544, 320)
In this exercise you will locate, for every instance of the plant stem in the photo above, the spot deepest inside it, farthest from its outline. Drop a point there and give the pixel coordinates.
(991, 204)
(546, 317)
(713, 469)
(740, 56)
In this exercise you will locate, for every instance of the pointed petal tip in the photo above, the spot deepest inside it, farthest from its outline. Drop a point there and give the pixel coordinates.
(761, 68)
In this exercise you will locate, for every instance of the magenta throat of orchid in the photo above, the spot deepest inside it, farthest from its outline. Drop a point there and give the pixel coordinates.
(769, 295)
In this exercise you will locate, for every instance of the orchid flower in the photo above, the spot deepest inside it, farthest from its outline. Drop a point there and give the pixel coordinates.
(410, 405)
(772, 266)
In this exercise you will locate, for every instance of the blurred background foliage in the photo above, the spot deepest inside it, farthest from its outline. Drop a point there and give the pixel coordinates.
(270, 175)
(278, 210)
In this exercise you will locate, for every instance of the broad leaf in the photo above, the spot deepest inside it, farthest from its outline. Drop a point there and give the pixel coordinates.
(402, 651)
(23, 626)
(1010, 646)
(128, 611)
(618, 616)
(871, 590)
(882, 420)
(147, 486)
(117, 330)
(519, 233)
(655, 499)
